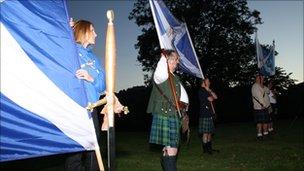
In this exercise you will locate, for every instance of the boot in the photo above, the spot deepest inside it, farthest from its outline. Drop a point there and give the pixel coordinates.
(204, 145)
(209, 147)
(169, 163)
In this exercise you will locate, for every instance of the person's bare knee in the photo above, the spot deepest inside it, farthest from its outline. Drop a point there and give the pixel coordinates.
(170, 151)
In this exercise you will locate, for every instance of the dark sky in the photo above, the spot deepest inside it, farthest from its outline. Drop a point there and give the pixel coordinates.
(283, 21)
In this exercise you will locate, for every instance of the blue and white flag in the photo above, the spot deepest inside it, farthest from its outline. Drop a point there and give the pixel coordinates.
(42, 102)
(265, 58)
(173, 34)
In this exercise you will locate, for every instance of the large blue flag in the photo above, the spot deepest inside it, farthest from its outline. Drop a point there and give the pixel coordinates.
(173, 34)
(265, 58)
(42, 102)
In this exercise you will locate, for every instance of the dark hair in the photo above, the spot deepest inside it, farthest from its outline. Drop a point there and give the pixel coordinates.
(259, 76)
(203, 80)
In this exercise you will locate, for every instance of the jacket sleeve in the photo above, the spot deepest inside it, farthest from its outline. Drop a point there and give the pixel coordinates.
(203, 97)
(99, 82)
(100, 79)
(161, 71)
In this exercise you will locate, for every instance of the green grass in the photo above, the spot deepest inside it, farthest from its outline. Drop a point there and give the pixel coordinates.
(238, 147)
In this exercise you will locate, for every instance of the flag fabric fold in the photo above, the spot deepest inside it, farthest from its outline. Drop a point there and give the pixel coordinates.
(173, 34)
(265, 58)
(42, 102)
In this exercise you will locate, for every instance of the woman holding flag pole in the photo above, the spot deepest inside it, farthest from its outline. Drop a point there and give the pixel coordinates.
(95, 83)
(93, 74)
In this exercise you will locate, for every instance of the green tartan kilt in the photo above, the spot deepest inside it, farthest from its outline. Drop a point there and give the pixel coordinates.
(205, 125)
(165, 130)
(261, 116)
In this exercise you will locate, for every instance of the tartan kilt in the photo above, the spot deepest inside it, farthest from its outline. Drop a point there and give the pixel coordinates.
(165, 130)
(205, 125)
(261, 116)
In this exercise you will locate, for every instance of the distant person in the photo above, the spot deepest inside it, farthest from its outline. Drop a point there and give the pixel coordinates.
(273, 102)
(261, 103)
(166, 123)
(206, 113)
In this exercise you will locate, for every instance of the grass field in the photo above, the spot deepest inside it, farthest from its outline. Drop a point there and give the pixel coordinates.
(238, 147)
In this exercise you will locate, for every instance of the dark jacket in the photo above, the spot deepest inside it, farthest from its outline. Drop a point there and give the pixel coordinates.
(204, 103)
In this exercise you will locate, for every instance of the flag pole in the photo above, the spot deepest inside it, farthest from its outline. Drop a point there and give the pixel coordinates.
(99, 158)
(110, 62)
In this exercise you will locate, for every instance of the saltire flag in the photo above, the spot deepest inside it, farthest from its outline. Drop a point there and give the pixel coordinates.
(173, 34)
(42, 102)
(265, 58)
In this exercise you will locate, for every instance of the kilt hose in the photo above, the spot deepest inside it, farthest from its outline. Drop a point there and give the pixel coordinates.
(205, 125)
(165, 130)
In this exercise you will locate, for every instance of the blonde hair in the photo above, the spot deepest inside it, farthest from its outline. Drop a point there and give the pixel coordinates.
(173, 56)
(81, 29)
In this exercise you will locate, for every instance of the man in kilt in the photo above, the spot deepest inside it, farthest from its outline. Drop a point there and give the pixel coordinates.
(206, 127)
(166, 123)
(261, 103)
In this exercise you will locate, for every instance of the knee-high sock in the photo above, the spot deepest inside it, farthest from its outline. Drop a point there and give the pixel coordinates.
(169, 163)
(204, 146)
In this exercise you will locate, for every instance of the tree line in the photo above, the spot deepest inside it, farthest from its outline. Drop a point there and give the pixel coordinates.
(221, 33)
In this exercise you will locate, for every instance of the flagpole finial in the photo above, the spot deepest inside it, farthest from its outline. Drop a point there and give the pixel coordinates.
(110, 16)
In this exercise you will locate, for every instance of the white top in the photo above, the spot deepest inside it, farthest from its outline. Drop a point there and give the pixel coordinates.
(272, 97)
(261, 94)
(161, 75)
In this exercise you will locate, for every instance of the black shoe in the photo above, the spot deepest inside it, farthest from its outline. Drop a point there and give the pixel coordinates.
(259, 138)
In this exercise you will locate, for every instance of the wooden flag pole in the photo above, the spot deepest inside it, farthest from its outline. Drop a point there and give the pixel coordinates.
(99, 158)
(110, 62)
